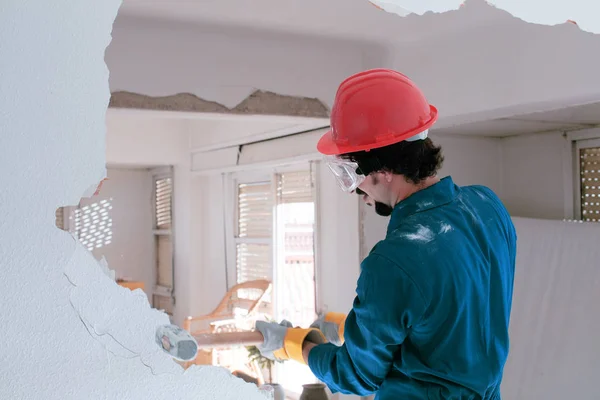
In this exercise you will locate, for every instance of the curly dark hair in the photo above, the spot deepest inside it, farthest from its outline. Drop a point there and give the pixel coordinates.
(416, 161)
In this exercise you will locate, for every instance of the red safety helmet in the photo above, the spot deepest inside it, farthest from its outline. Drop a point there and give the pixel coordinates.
(373, 109)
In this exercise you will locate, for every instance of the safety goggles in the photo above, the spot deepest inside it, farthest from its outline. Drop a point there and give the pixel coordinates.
(345, 172)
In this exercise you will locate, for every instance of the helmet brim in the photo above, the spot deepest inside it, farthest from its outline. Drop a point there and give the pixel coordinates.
(329, 147)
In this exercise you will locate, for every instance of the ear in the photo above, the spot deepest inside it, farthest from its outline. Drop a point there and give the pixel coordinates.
(387, 176)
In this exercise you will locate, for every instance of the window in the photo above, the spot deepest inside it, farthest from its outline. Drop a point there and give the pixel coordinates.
(294, 284)
(588, 153)
(274, 239)
(89, 222)
(93, 225)
(162, 297)
(254, 230)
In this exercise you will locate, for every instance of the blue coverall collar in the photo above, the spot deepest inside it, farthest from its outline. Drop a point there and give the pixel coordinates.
(443, 192)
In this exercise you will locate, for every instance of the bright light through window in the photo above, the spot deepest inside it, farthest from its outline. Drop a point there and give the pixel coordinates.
(295, 282)
(93, 224)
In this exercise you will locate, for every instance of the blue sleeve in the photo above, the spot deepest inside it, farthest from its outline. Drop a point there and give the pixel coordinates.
(387, 304)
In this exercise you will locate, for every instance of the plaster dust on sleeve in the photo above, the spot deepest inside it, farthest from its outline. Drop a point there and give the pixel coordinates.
(70, 332)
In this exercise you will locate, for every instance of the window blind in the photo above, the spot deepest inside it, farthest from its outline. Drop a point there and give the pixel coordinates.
(294, 187)
(253, 262)
(255, 210)
(163, 190)
(590, 184)
(255, 222)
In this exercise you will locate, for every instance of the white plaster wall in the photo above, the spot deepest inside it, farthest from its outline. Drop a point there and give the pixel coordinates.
(150, 139)
(338, 244)
(208, 236)
(145, 138)
(131, 251)
(533, 175)
(554, 323)
(69, 332)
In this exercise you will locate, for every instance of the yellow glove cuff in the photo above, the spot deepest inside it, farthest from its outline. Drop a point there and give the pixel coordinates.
(340, 320)
(294, 339)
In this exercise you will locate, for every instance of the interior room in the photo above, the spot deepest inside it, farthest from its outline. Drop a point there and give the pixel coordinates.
(199, 199)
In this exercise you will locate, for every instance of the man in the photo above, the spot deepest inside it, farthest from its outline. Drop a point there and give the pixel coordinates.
(431, 313)
(380, 209)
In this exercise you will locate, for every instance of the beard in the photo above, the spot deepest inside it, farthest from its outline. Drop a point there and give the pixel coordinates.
(383, 209)
(380, 208)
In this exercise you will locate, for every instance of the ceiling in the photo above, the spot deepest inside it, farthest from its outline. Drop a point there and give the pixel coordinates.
(563, 119)
(348, 19)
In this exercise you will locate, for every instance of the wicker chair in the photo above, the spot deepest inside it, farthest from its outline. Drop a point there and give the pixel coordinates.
(237, 312)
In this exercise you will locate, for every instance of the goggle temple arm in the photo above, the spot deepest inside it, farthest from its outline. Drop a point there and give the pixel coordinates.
(345, 172)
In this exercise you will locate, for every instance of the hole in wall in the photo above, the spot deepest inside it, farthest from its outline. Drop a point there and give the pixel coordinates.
(127, 223)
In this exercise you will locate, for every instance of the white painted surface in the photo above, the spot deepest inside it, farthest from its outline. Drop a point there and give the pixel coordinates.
(339, 244)
(533, 175)
(147, 139)
(131, 251)
(208, 235)
(69, 332)
(554, 320)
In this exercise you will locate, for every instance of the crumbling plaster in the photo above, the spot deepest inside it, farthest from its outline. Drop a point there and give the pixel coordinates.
(69, 332)
(476, 59)
(258, 103)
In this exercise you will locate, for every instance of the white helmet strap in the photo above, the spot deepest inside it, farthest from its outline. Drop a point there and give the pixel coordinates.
(418, 136)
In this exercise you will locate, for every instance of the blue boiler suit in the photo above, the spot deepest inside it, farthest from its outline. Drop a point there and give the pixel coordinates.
(431, 313)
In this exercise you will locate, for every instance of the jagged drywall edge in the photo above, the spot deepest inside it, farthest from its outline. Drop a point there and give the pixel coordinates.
(583, 12)
(70, 332)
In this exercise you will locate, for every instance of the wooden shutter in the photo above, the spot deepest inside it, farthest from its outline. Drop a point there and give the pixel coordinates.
(590, 184)
(163, 190)
(162, 297)
(164, 257)
(255, 210)
(253, 262)
(255, 227)
(294, 187)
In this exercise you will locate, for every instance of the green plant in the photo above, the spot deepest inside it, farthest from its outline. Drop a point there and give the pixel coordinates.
(263, 362)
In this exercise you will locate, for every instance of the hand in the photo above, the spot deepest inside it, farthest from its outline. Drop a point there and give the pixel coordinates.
(332, 326)
(282, 342)
(274, 337)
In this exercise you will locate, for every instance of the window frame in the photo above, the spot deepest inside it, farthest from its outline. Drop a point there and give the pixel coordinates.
(572, 169)
(231, 180)
(158, 290)
(232, 239)
(580, 145)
